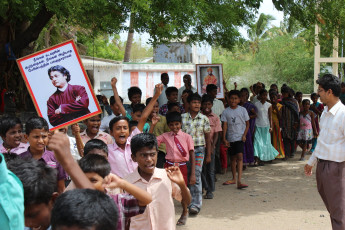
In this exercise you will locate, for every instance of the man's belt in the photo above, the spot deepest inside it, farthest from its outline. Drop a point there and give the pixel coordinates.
(178, 164)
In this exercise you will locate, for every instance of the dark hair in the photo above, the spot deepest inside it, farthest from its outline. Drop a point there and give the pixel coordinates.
(210, 87)
(143, 140)
(170, 90)
(189, 91)
(173, 116)
(273, 85)
(305, 101)
(246, 91)
(193, 97)
(314, 95)
(148, 101)
(206, 98)
(329, 81)
(133, 91)
(62, 70)
(164, 75)
(131, 124)
(262, 91)
(342, 84)
(95, 144)
(298, 93)
(112, 100)
(234, 92)
(272, 91)
(10, 157)
(84, 208)
(38, 179)
(36, 123)
(94, 163)
(172, 105)
(285, 89)
(187, 75)
(7, 123)
(115, 120)
(138, 108)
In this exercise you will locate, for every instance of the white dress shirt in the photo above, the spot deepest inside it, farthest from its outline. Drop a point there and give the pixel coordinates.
(218, 107)
(331, 140)
(105, 123)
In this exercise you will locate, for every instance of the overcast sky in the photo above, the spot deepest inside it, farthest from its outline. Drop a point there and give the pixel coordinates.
(266, 7)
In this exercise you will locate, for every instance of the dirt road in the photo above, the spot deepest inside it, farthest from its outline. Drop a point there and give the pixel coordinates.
(279, 196)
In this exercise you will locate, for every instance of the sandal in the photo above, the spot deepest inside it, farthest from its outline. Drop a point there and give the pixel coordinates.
(228, 182)
(182, 220)
(242, 186)
(208, 195)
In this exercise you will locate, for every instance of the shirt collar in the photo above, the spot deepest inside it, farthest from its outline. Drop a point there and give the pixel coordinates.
(335, 108)
(178, 133)
(157, 174)
(63, 88)
(197, 116)
(99, 134)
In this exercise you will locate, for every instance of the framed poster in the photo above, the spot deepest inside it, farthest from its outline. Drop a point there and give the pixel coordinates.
(210, 74)
(58, 85)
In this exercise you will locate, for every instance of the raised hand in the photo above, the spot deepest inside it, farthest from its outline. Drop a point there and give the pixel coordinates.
(113, 82)
(75, 129)
(59, 143)
(159, 89)
(175, 175)
(155, 119)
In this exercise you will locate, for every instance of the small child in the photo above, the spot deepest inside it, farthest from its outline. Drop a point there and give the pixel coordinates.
(92, 131)
(197, 125)
(115, 112)
(317, 108)
(72, 211)
(235, 125)
(97, 170)
(36, 129)
(263, 148)
(11, 134)
(160, 183)
(172, 96)
(277, 139)
(120, 151)
(134, 95)
(206, 107)
(180, 151)
(307, 128)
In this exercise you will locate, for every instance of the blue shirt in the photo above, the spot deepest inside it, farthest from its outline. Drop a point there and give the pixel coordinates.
(11, 199)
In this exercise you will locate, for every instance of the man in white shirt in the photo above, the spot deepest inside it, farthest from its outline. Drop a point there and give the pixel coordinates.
(165, 81)
(116, 112)
(329, 154)
(218, 106)
(187, 80)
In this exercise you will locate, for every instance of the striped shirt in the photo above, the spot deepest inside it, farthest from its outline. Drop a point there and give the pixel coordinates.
(127, 206)
(331, 141)
(196, 127)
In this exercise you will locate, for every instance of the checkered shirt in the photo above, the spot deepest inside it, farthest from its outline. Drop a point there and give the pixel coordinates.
(196, 127)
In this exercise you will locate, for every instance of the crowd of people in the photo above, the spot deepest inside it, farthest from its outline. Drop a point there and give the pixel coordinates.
(123, 170)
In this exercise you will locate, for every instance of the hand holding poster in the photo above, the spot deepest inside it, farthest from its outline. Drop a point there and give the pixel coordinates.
(58, 85)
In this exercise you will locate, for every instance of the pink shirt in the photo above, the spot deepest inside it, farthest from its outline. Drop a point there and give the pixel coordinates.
(22, 147)
(160, 213)
(120, 160)
(173, 154)
(105, 137)
(215, 125)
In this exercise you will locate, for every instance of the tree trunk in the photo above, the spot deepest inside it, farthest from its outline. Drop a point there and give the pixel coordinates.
(129, 41)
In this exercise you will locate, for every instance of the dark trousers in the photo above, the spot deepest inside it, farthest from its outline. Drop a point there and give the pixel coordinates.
(289, 147)
(330, 178)
(208, 175)
(160, 160)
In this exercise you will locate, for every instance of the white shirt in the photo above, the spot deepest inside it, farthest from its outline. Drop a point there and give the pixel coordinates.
(73, 148)
(331, 141)
(180, 91)
(105, 123)
(162, 100)
(262, 120)
(218, 107)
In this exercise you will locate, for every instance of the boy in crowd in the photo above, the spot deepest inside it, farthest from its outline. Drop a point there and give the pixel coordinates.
(120, 151)
(160, 214)
(172, 95)
(158, 129)
(174, 107)
(218, 106)
(197, 125)
(134, 95)
(116, 112)
(165, 81)
(92, 131)
(11, 199)
(209, 169)
(11, 134)
(235, 127)
(97, 170)
(36, 129)
(187, 80)
(180, 151)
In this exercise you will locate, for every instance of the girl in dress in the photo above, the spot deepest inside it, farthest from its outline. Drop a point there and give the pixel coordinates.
(306, 127)
(277, 140)
(248, 152)
(263, 148)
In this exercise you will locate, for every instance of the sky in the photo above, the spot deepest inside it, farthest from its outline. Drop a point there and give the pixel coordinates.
(266, 7)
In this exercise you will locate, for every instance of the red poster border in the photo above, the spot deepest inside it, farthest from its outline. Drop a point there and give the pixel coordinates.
(84, 73)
